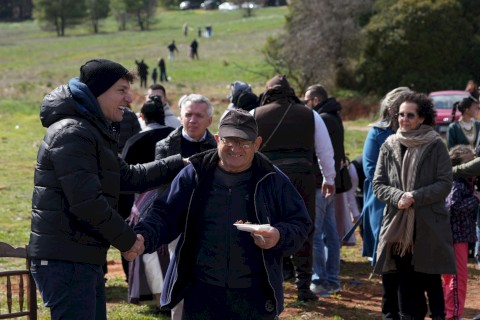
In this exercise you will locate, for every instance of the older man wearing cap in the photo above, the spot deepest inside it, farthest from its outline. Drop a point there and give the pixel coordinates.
(220, 271)
(78, 178)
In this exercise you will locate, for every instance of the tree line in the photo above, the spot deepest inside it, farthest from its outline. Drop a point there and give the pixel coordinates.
(373, 46)
(58, 15)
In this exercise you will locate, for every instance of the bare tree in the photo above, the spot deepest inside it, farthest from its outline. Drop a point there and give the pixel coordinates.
(319, 38)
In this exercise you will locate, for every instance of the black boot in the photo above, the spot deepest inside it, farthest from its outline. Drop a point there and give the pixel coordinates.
(303, 270)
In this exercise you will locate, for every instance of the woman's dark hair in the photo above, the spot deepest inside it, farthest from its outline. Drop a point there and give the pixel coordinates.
(463, 105)
(424, 104)
(153, 111)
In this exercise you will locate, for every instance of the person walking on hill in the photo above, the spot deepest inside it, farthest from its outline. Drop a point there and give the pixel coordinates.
(78, 178)
(163, 70)
(154, 75)
(171, 50)
(142, 70)
(194, 50)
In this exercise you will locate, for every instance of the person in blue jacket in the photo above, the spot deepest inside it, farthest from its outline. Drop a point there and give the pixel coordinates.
(373, 208)
(240, 271)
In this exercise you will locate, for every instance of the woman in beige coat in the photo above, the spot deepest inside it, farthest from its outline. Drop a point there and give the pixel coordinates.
(413, 176)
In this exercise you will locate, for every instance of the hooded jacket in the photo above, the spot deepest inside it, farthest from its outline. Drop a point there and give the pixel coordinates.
(78, 178)
(287, 128)
(276, 202)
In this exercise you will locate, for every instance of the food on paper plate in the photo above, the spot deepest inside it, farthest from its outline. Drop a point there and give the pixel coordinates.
(241, 222)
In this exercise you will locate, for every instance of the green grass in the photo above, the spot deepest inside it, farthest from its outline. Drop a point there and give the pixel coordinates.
(33, 62)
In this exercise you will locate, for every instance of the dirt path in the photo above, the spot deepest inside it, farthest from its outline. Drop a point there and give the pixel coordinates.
(360, 297)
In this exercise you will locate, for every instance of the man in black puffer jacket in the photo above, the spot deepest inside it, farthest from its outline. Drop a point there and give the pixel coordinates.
(78, 178)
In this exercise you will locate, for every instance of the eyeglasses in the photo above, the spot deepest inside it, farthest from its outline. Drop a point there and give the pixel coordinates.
(408, 115)
(245, 144)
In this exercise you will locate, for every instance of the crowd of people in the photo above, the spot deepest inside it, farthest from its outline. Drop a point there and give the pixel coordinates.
(189, 189)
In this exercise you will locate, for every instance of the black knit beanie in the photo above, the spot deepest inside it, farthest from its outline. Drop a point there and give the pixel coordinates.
(100, 74)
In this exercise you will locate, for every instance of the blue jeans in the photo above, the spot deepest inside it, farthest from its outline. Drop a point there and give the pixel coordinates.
(71, 290)
(326, 244)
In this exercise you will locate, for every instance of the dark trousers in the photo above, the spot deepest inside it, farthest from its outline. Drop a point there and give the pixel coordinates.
(302, 259)
(208, 302)
(163, 76)
(390, 296)
(71, 290)
(412, 287)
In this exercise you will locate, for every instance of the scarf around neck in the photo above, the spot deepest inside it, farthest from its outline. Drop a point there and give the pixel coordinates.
(399, 234)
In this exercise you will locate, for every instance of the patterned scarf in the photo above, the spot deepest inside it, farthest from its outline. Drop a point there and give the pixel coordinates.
(399, 234)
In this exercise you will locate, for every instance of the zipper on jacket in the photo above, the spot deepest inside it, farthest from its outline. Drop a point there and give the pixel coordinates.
(263, 253)
(180, 248)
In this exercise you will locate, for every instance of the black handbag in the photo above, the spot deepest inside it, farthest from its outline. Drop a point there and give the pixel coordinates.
(343, 182)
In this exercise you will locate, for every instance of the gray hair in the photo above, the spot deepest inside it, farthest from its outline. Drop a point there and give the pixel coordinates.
(196, 98)
(387, 104)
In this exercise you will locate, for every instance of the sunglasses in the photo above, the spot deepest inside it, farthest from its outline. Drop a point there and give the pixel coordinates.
(408, 115)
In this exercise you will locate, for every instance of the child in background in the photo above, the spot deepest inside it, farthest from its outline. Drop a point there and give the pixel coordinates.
(462, 202)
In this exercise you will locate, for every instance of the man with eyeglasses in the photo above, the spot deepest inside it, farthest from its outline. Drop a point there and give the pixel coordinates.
(222, 272)
(332, 219)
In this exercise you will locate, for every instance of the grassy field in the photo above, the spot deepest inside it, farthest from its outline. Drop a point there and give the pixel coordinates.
(33, 62)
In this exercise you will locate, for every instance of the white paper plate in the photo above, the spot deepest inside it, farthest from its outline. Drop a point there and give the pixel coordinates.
(251, 227)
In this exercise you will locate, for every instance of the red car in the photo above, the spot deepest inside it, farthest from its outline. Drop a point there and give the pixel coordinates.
(443, 102)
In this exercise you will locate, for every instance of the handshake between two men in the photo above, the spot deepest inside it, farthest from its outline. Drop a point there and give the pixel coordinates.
(264, 239)
(136, 250)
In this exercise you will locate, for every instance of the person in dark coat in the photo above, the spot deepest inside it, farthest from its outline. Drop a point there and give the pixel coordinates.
(172, 47)
(190, 138)
(141, 149)
(127, 128)
(293, 134)
(142, 70)
(154, 75)
(221, 187)
(77, 181)
(413, 177)
(194, 49)
(163, 70)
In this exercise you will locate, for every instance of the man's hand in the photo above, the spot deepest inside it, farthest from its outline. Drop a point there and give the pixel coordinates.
(266, 239)
(136, 250)
(328, 190)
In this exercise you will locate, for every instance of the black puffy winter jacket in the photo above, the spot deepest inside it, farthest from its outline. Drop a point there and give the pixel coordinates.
(78, 178)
